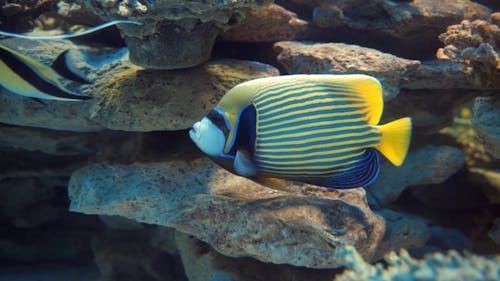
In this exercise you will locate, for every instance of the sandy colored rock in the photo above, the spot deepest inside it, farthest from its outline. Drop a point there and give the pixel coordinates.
(176, 34)
(400, 18)
(268, 24)
(239, 217)
(126, 97)
(339, 58)
(426, 165)
(474, 43)
(202, 263)
(486, 123)
(438, 266)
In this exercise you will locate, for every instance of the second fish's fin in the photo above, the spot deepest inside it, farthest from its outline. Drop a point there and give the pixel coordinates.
(63, 66)
(72, 35)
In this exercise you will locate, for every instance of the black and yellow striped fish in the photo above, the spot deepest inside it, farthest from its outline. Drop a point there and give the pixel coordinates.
(318, 129)
(27, 77)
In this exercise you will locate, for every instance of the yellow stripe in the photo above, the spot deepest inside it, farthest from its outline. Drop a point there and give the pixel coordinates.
(307, 117)
(319, 100)
(315, 124)
(296, 149)
(313, 160)
(316, 153)
(305, 168)
(262, 96)
(320, 92)
(285, 108)
(326, 174)
(302, 141)
(331, 130)
(328, 87)
(312, 110)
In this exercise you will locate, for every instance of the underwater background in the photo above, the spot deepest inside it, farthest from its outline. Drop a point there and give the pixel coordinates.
(112, 188)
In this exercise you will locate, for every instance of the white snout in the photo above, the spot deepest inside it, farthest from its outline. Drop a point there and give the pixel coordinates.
(208, 137)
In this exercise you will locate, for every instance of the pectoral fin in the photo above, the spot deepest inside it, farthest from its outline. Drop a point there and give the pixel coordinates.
(243, 164)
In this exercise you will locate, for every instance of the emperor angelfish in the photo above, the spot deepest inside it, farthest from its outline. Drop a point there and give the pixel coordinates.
(317, 129)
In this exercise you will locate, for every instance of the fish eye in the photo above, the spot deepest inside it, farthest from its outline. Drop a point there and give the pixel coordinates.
(219, 121)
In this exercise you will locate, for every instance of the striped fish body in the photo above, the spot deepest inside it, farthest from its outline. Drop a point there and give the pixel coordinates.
(317, 132)
(319, 129)
(26, 77)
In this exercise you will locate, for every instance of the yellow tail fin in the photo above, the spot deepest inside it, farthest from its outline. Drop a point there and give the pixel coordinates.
(395, 141)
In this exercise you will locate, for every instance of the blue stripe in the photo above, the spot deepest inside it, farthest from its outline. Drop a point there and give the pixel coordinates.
(362, 173)
(322, 93)
(223, 114)
(309, 106)
(304, 121)
(265, 121)
(285, 87)
(319, 162)
(267, 144)
(263, 145)
(262, 134)
(318, 99)
(292, 86)
(332, 149)
(284, 137)
(305, 158)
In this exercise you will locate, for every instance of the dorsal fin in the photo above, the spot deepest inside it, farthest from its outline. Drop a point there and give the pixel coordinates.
(62, 66)
(369, 89)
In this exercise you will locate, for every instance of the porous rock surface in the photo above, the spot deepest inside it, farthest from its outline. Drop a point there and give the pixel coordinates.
(126, 97)
(395, 73)
(486, 123)
(475, 43)
(239, 217)
(339, 58)
(175, 34)
(425, 165)
(268, 24)
(400, 18)
(438, 266)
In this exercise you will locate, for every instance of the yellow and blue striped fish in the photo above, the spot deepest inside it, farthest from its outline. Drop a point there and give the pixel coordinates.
(318, 129)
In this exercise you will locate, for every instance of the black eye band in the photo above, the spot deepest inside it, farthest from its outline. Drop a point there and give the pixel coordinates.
(218, 119)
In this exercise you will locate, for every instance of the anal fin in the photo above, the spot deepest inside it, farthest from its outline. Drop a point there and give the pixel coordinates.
(274, 183)
(360, 174)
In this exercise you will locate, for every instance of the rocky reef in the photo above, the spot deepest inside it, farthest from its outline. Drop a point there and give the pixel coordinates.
(112, 188)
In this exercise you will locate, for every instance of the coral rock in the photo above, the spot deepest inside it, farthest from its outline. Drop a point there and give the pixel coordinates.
(426, 165)
(452, 266)
(486, 123)
(268, 24)
(476, 44)
(126, 97)
(237, 216)
(338, 58)
(175, 34)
